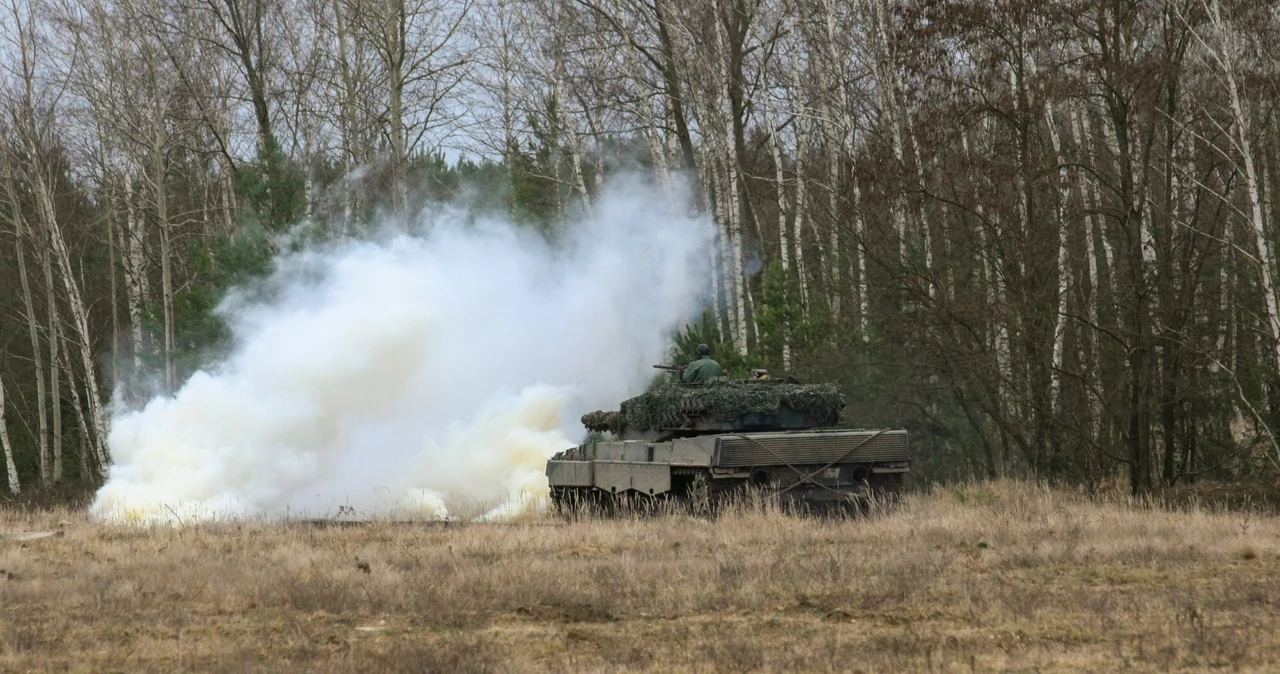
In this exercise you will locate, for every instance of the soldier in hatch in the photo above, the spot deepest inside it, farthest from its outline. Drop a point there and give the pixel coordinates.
(701, 369)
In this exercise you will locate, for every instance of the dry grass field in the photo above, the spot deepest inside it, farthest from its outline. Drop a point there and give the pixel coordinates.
(988, 577)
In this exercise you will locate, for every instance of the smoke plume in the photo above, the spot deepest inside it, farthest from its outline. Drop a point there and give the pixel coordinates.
(421, 374)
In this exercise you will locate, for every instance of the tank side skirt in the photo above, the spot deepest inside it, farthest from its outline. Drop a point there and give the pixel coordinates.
(809, 478)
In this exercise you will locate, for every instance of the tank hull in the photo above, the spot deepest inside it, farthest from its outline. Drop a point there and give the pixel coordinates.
(817, 469)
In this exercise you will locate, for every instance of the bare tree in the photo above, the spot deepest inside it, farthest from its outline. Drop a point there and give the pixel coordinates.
(423, 63)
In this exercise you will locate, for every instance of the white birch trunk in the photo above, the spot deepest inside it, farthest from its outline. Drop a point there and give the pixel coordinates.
(797, 235)
(1064, 272)
(842, 123)
(1225, 300)
(860, 271)
(227, 188)
(86, 440)
(71, 383)
(308, 187)
(575, 164)
(728, 280)
(672, 143)
(897, 206)
(157, 179)
(393, 56)
(10, 468)
(707, 186)
(571, 139)
(784, 250)
(1095, 195)
(135, 271)
(1021, 182)
(834, 261)
(739, 279)
(112, 226)
(346, 119)
(55, 393)
(926, 235)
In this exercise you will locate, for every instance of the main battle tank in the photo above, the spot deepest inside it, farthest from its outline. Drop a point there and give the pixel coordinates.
(700, 442)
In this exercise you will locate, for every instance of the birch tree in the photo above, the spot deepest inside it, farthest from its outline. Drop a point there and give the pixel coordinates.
(34, 130)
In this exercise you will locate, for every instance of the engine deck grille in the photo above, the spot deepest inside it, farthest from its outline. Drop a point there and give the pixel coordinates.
(767, 449)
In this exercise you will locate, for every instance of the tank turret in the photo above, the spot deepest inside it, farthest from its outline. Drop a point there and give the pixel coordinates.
(720, 405)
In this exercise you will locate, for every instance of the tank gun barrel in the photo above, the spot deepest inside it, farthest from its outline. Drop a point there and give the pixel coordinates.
(670, 368)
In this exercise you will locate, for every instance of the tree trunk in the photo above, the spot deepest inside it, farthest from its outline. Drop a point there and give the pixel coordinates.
(71, 386)
(798, 220)
(160, 191)
(560, 112)
(706, 181)
(136, 286)
(1064, 271)
(111, 272)
(784, 254)
(735, 243)
(727, 280)
(86, 439)
(11, 469)
(859, 265)
(53, 334)
(840, 126)
(395, 55)
(346, 120)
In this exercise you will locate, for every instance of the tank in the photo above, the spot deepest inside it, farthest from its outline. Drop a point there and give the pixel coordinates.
(700, 443)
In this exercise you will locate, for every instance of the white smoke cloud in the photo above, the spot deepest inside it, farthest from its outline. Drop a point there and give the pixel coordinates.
(429, 373)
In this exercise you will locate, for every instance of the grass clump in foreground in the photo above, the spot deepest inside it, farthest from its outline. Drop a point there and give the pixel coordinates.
(992, 577)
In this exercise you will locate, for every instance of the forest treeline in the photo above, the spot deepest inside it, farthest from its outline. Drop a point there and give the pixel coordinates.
(1038, 235)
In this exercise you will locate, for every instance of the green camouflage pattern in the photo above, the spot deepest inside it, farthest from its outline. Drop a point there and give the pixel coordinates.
(719, 399)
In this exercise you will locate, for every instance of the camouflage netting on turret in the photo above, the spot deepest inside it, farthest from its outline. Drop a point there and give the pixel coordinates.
(717, 400)
(603, 421)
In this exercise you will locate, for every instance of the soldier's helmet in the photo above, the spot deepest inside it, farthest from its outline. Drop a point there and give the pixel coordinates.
(703, 351)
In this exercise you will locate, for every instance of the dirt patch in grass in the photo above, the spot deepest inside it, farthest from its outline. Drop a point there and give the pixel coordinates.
(996, 577)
